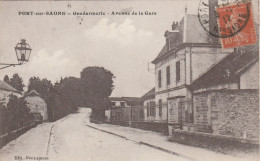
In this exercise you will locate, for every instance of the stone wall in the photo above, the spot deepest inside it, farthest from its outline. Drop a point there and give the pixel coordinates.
(227, 112)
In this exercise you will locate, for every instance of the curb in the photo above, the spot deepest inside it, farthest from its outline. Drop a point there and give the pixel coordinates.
(146, 144)
(50, 134)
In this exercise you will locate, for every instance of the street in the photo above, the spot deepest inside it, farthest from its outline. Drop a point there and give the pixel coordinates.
(71, 139)
(75, 138)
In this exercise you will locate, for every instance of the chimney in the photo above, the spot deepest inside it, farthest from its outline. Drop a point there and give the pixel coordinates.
(213, 21)
(175, 25)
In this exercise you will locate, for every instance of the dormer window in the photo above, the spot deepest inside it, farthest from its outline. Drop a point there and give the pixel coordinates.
(168, 43)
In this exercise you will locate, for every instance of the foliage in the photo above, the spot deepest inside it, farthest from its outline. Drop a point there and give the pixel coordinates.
(6, 79)
(62, 98)
(15, 116)
(42, 86)
(66, 96)
(16, 81)
(92, 89)
(97, 86)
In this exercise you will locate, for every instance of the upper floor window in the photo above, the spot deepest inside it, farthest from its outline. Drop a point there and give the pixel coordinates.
(122, 104)
(112, 103)
(159, 78)
(160, 107)
(168, 75)
(152, 104)
(178, 71)
(168, 43)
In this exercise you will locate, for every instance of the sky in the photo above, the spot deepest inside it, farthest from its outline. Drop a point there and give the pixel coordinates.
(63, 45)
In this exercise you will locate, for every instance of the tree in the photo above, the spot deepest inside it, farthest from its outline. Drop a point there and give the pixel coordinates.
(97, 86)
(6, 79)
(62, 98)
(66, 96)
(42, 86)
(17, 82)
(18, 112)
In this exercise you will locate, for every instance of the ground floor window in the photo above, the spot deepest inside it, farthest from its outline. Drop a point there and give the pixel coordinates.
(160, 107)
(152, 108)
(148, 109)
(152, 111)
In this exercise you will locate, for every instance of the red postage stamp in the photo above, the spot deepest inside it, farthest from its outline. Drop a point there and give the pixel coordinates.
(236, 25)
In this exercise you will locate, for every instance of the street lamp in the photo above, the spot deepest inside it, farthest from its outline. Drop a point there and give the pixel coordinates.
(23, 52)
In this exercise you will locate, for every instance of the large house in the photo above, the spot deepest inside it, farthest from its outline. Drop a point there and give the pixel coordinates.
(202, 87)
(187, 54)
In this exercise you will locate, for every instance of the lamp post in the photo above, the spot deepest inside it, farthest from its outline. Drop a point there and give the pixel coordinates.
(23, 52)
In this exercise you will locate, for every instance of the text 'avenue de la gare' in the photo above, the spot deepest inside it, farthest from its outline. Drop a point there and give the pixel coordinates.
(101, 13)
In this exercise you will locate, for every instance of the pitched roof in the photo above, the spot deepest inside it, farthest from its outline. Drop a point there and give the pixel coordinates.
(116, 99)
(7, 87)
(132, 101)
(149, 95)
(33, 93)
(192, 34)
(230, 68)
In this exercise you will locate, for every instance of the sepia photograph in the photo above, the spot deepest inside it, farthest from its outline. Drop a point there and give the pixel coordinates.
(122, 80)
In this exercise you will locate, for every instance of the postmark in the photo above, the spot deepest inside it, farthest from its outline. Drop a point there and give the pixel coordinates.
(236, 25)
(208, 17)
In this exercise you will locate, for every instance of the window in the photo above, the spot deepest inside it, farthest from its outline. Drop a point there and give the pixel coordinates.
(112, 104)
(148, 109)
(152, 108)
(122, 104)
(178, 72)
(152, 104)
(160, 107)
(168, 76)
(213, 102)
(152, 111)
(168, 43)
(159, 78)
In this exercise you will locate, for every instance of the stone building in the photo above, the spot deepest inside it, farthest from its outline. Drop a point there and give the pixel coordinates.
(37, 105)
(226, 97)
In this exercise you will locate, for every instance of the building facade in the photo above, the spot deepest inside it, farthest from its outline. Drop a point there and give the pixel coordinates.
(186, 54)
(201, 87)
(122, 108)
(37, 105)
(226, 98)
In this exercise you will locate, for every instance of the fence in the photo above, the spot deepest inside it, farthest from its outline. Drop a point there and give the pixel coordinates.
(136, 117)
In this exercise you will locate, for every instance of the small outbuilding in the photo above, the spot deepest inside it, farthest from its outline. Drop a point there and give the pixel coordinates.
(37, 105)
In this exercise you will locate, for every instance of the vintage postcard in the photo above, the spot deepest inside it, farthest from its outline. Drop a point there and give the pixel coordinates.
(121, 80)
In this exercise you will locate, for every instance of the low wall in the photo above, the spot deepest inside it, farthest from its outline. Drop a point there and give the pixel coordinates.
(150, 126)
(218, 143)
